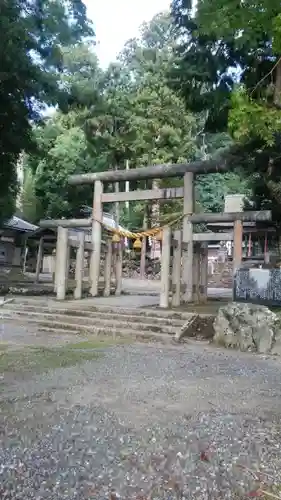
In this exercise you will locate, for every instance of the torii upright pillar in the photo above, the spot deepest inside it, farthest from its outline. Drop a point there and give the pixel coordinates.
(188, 206)
(96, 239)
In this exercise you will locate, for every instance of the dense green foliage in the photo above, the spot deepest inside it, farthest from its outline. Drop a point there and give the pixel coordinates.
(229, 64)
(211, 189)
(153, 105)
(32, 34)
(126, 113)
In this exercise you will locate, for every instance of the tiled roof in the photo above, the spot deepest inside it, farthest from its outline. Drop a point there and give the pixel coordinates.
(20, 225)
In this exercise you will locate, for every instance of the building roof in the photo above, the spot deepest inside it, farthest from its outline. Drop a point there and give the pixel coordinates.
(21, 225)
(108, 220)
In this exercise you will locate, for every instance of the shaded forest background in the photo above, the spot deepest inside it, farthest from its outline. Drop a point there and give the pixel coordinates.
(188, 86)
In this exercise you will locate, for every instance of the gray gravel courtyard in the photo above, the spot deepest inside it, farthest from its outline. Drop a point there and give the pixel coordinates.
(141, 422)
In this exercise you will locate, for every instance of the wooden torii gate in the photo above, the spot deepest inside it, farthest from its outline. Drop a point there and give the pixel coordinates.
(189, 218)
(184, 241)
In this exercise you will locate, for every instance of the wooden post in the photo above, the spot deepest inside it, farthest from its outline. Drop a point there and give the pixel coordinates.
(237, 245)
(155, 216)
(165, 268)
(68, 264)
(39, 259)
(107, 268)
(127, 189)
(79, 267)
(54, 254)
(96, 239)
(196, 272)
(119, 251)
(61, 262)
(25, 249)
(187, 237)
(143, 248)
(204, 272)
(176, 269)
(119, 268)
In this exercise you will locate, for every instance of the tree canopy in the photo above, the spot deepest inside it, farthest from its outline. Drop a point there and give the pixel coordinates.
(128, 112)
(32, 35)
(112, 116)
(229, 64)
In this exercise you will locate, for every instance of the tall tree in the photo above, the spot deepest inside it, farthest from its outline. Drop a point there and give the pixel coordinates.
(30, 205)
(235, 47)
(126, 116)
(67, 154)
(227, 43)
(32, 34)
(152, 51)
(202, 69)
(81, 77)
(62, 148)
(128, 113)
(143, 120)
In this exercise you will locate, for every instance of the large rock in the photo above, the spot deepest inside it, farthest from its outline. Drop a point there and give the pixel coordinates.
(248, 327)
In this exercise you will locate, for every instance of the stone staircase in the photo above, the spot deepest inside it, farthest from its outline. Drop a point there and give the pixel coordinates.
(131, 323)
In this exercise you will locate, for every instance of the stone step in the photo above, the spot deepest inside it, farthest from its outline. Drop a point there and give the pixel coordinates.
(97, 315)
(84, 321)
(57, 327)
(118, 310)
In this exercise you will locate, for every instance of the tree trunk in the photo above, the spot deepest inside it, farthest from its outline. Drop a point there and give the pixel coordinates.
(277, 90)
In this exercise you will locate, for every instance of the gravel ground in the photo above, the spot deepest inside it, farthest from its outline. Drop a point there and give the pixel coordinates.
(146, 422)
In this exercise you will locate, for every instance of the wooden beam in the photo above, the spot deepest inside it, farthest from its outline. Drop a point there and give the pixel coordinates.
(219, 163)
(261, 215)
(208, 218)
(213, 236)
(53, 223)
(143, 195)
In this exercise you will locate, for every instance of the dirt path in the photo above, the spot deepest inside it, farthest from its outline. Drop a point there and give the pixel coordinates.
(148, 421)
